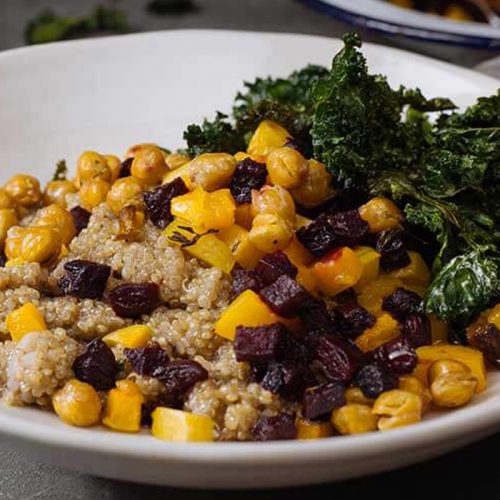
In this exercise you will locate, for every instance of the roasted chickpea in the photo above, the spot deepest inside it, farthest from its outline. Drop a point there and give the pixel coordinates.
(24, 189)
(414, 385)
(270, 232)
(56, 191)
(6, 200)
(93, 193)
(136, 148)
(381, 214)
(59, 218)
(212, 171)
(176, 160)
(273, 200)
(92, 166)
(397, 408)
(286, 167)
(123, 193)
(316, 187)
(149, 165)
(355, 395)
(115, 165)
(354, 418)
(8, 219)
(39, 244)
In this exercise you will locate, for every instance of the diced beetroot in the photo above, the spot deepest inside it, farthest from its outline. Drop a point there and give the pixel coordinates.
(180, 375)
(126, 168)
(81, 218)
(417, 329)
(132, 300)
(486, 338)
(245, 279)
(338, 358)
(287, 379)
(96, 366)
(316, 316)
(392, 249)
(402, 303)
(158, 201)
(260, 344)
(248, 175)
(273, 265)
(397, 355)
(322, 399)
(285, 296)
(374, 379)
(275, 428)
(352, 320)
(328, 232)
(145, 360)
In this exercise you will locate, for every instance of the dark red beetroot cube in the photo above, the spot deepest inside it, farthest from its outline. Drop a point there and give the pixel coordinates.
(245, 279)
(84, 279)
(402, 303)
(392, 249)
(398, 355)
(132, 300)
(145, 360)
(260, 344)
(328, 232)
(294, 348)
(3, 259)
(285, 296)
(248, 175)
(126, 168)
(352, 320)
(374, 379)
(417, 330)
(338, 358)
(322, 399)
(486, 338)
(275, 428)
(180, 375)
(158, 201)
(287, 379)
(316, 316)
(81, 218)
(273, 265)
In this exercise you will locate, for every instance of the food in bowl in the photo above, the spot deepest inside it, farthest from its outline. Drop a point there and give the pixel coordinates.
(317, 264)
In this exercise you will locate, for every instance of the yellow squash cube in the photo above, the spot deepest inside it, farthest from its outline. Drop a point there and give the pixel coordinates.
(132, 337)
(221, 209)
(372, 295)
(301, 221)
(313, 430)
(298, 253)
(26, 319)
(473, 358)
(307, 278)
(386, 328)
(244, 252)
(439, 329)
(184, 172)
(268, 135)
(246, 310)
(243, 216)
(181, 427)
(192, 207)
(123, 407)
(241, 155)
(416, 272)
(370, 260)
(337, 271)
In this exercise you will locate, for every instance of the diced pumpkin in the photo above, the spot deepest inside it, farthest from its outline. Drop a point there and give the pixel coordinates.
(244, 253)
(123, 407)
(243, 215)
(494, 316)
(207, 248)
(298, 253)
(337, 271)
(181, 426)
(439, 329)
(246, 310)
(221, 209)
(184, 172)
(132, 337)
(370, 260)
(313, 430)
(416, 272)
(241, 155)
(307, 278)
(268, 135)
(26, 319)
(386, 328)
(473, 358)
(192, 207)
(301, 221)
(371, 295)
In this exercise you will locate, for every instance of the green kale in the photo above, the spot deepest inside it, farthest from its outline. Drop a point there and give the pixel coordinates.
(50, 27)
(61, 172)
(214, 136)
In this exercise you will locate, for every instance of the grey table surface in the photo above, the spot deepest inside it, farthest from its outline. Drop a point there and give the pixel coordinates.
(469, 472)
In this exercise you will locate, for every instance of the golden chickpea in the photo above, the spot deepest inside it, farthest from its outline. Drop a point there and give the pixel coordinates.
(92, 166)
(414, 385)
(59, 218)
(397, 408)
(39, 244)
(6, 200)
(125, 192)
(270, 232)
(212, 171)
(355, 395)
(286, 167)
(93, 193)
(78, 404)
(56, 191)
(316, 188)
(354, 418)
(176, 160)
(13, 242)
(273, 200)
(381, 214)
(115, 165)
(24, 189)
(136, 148)
(149, 165)
(8, 219)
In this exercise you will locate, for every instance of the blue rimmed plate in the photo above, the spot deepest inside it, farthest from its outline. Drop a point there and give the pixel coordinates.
(383, 17)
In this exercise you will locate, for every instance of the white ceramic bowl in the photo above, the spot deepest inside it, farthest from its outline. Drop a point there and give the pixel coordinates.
(105, 94)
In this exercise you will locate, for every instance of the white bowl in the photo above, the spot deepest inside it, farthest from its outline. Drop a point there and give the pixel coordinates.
(105, 94)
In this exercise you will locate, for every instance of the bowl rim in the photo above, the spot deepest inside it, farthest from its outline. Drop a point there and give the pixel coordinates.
(16, 424)
(444, 31)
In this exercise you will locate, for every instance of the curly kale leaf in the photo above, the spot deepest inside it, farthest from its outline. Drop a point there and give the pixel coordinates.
(61, 172)
(214, 136)
(464, 287)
